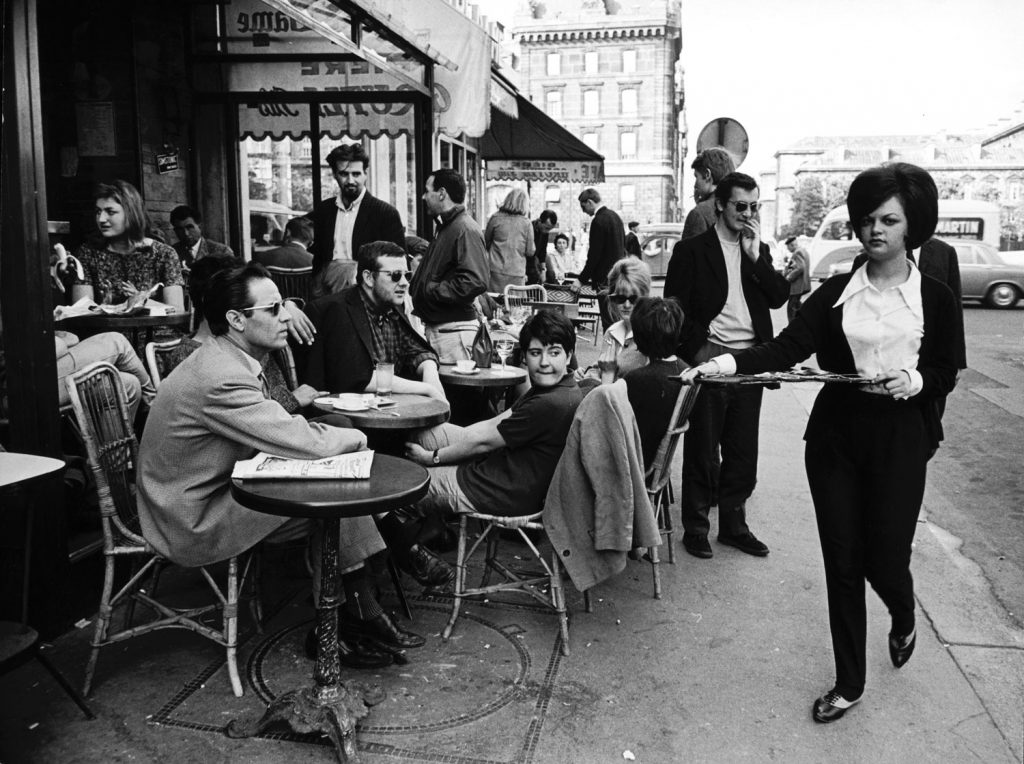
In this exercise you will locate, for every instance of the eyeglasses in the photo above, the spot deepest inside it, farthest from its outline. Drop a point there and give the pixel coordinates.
(621, 299)
(273, 307)
(744, 206)
(396, 276)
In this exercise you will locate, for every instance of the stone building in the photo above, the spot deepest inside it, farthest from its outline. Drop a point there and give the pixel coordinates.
(609, 73)
(983, 166)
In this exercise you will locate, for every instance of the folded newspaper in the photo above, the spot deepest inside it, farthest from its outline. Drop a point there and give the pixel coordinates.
(354, 466)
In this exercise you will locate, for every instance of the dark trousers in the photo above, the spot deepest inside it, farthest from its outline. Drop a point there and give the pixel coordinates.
(793, 305)
(727, 416)
(867, 481)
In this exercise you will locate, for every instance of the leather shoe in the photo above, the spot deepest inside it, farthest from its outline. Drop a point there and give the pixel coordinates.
(698, 546)
(351, 654)
(831, 706)
(745, 542)
(380, 628)
(427, 568)
(901, 648)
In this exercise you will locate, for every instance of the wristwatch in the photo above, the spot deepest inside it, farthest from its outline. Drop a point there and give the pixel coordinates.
(436, 459)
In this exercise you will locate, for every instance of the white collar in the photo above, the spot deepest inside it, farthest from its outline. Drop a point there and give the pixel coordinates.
(619, 332)
(909, 289)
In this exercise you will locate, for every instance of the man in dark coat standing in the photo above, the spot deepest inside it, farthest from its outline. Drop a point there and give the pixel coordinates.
(344, 223)
(726, 285)
(607, 239)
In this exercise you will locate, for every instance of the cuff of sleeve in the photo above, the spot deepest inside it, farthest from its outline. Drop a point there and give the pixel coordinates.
(916, 382)
(726, 362)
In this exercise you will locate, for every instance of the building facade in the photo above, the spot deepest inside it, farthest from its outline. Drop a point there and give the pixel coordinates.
(610, 75)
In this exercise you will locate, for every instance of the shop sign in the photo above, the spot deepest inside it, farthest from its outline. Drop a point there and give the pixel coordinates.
(546, 170)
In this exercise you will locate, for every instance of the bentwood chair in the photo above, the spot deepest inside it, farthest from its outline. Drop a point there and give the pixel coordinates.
(532, 583)
(293, 282)
(160, 359)
(523, 295)
(98, 397)
(659, 474)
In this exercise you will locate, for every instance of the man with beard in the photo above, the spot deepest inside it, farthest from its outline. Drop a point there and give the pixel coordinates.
(344, 223)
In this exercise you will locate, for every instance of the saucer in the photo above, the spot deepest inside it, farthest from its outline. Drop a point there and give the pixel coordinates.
(471, 371)
(350, 405)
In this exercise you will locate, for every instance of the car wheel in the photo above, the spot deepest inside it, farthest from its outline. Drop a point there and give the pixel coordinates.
(1002, 296)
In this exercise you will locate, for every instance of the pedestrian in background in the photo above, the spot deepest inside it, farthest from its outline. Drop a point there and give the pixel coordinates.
(868, 446)
(709, 167)
(509, 241)
(798, 274)
(536, 265)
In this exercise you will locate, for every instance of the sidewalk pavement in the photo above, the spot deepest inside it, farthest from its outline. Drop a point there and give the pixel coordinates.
(724, 668)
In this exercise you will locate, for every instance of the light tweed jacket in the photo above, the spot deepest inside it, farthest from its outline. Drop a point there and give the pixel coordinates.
(207, 415)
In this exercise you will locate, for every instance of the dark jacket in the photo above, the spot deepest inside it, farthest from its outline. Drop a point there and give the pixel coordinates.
(700, 218)
(375, 221)
(341, 357)
(291, 255)
(818, 328)
(453, 272)
(207, 248)
(697, 279)
(607, 245)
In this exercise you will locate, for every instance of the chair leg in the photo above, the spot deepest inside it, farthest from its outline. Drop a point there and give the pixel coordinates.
(256, 587)
(71, 691)
(652, 552)
(102, 623)
(396, 582)
(231, 626)
(558, 600)
(666, 516)
(460, 580)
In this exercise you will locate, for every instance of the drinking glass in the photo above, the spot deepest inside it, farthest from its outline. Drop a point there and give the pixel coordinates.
(385, 379)
(504, 347)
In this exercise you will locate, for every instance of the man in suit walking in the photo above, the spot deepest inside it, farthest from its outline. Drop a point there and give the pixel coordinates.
(192, 245)
(347, 221)
(607, 245)
(726, 285)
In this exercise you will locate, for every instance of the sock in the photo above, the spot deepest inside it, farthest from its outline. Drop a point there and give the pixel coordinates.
(360, 601)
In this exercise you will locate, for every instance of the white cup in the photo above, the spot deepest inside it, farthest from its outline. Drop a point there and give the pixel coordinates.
(465, 366)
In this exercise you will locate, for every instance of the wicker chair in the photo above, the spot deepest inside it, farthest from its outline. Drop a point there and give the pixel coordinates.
(159, 359)
(523, 296)
(98, 397)
(527, 582)
(293, 282)
(569, 294)
(659, 476)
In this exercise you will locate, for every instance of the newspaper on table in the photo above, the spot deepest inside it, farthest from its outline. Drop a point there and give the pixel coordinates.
(354, 466)
(141, 304)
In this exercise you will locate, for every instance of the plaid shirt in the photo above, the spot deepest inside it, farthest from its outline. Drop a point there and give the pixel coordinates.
(393, 340)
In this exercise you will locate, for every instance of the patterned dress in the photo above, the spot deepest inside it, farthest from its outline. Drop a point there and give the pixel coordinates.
(143, 266)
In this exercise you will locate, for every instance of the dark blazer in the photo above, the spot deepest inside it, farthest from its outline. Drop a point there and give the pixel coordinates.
(375, 221)
(818, 328)
(341, 357)
(697, 279)
(207, 247)
(938, 259)
(632, 244)
(607, 245)
(291, 255)
(700, 218)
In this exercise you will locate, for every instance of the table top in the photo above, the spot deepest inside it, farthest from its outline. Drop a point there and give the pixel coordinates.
(413, 412)
(17, 468)
(492, 377)
(393, 483)
(107, 321)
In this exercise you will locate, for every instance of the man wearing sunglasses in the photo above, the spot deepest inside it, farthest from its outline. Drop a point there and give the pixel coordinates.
(726, 285)
(365, 324)
(216, 409)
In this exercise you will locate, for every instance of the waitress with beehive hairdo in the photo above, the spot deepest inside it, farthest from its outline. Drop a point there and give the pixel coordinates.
(868, 445)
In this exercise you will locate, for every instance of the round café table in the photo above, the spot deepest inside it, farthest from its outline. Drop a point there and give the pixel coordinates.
(331, 706)
(492, 377)
(410, 412)
(94, 323)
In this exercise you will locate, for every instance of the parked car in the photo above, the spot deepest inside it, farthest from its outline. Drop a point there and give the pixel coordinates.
(985, 274)
(658, 239)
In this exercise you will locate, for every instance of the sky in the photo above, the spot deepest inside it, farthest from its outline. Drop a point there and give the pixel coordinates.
(787, 69)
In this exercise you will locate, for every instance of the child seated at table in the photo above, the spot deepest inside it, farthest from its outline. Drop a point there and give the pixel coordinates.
(653, 388)
(503, 465)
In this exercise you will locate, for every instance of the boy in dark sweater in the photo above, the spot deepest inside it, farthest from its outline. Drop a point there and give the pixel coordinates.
(653, 388)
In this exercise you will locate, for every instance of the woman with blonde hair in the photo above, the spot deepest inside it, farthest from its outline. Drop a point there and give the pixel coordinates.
(509, 241)
(629, 280)
(121, 259)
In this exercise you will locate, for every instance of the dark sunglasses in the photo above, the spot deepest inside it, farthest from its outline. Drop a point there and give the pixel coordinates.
(396, 276)
(621, 299)
(274, 307)
(743, 206)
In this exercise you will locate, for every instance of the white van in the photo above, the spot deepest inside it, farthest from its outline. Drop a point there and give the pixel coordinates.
(958, 219)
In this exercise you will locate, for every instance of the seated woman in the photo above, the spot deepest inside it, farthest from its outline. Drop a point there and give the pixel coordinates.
(121, 260)
(629, 280)
(653, 388)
